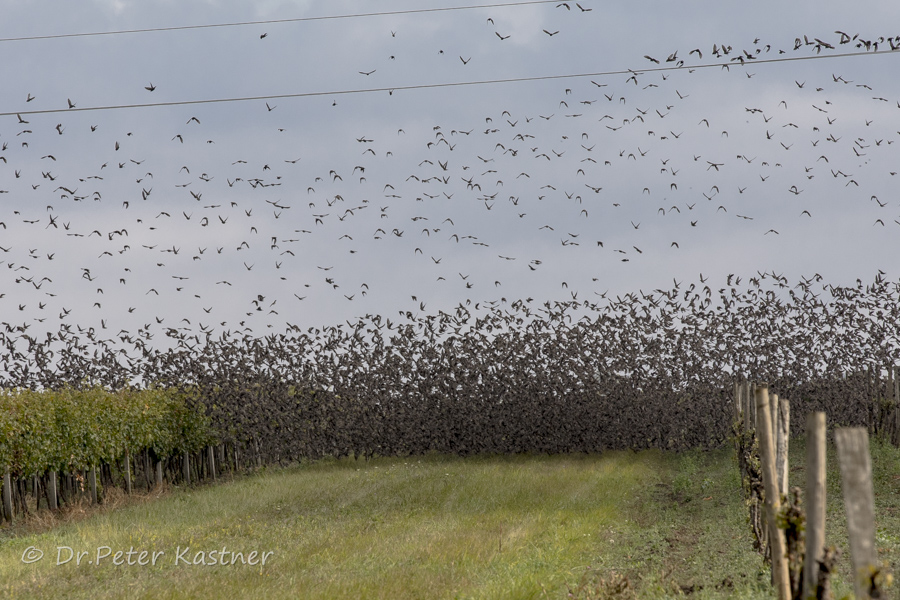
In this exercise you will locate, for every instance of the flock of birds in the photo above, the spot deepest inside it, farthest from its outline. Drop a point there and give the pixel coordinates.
(552, 377)
(201, 241)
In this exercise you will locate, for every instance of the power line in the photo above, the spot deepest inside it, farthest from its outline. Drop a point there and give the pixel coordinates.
(275, 21)
(441, 85)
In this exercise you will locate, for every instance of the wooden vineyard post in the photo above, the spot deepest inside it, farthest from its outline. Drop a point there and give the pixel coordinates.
(742, 399)
(774, 411)
(780, 576)
(782, 437)
(752, 402)
(159, 472)
(52, 497)
(7, 495)
(127, 472)
(92, 477)
(187, 468)
(815, 502)
(736, 389)
(773, 408)
(859, 503)
(146, 469)
(750, 416)
(211, 452)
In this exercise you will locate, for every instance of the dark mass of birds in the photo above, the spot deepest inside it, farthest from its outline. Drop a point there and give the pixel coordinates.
(489, 374)
(647, 370)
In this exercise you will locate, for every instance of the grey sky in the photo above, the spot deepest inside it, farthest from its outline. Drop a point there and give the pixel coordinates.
(537, 193)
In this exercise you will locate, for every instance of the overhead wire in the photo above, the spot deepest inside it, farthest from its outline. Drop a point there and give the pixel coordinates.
(393, 89)
(278, 21)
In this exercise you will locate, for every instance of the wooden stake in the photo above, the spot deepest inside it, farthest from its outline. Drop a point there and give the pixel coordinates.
(782, 437)
(7, 496)
(211, 451)
(127, 472)
(51, 490)
(859, 503)
(815, 502)
(92, 478)
(773, 408)
(752, 401)
(780, 577)
(749, 420)
(148, 474)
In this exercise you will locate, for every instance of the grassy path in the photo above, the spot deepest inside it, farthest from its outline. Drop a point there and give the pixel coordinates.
(645, 524)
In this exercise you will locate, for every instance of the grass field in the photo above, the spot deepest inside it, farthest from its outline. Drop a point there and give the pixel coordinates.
(621, 524)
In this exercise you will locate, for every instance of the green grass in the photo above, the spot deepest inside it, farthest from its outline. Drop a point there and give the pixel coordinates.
(649, 524)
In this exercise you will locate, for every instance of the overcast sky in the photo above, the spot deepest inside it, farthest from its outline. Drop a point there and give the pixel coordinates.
(386, 170)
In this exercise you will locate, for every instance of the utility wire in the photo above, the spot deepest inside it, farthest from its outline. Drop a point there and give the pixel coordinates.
(274, 21)
(446, 85)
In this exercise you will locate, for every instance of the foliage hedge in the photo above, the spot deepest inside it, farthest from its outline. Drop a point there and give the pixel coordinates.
(70, 430)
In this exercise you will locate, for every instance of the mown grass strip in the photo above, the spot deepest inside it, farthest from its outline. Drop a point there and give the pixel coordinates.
(649, 524)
